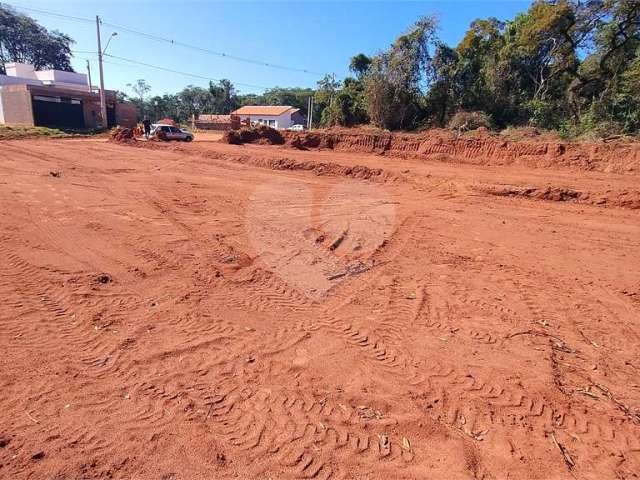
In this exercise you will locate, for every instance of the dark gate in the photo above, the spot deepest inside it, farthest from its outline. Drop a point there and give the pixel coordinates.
(63, 113)
(111, 116)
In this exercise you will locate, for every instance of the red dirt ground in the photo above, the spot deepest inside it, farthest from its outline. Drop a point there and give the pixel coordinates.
(213, 311)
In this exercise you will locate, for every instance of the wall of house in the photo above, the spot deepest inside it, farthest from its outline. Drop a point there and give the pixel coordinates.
(91, 110)
(17, 69)
(63, 78)
(298, 119)
(126, 114)
(16, 106)
(9, 80)
(282, 121)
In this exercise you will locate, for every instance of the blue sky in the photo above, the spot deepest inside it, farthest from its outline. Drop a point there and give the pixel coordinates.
(312, 35)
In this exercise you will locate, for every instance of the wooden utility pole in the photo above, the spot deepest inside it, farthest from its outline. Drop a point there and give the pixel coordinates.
(89, 76)
(103, 100)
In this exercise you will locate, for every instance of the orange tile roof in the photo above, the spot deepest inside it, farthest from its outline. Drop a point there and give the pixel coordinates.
(262, 110)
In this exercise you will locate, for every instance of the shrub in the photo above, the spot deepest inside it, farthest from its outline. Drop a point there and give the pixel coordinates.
(464, 121)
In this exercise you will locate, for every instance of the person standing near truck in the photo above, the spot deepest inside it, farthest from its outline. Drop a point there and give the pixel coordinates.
(146, 123)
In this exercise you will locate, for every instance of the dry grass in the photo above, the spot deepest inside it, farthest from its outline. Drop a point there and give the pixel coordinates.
(14, 132)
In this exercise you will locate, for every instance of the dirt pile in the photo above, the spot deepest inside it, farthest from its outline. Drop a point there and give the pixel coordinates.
(261, 134)
(120, 134)
(476, 148)
(625, 198)
(320, 168)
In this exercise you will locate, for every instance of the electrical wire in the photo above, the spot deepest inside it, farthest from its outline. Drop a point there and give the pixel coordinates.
(171, 41)
(51, 14)
(187, 74)
(208, 51)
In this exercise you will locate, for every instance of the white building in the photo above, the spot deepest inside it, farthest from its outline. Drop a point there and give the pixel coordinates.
(53, 98)
(24, 74)
(279, 117)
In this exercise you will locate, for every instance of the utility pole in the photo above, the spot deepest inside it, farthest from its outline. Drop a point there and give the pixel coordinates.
(89, 75)
(308, 113)
(311, 114)
(103, 100)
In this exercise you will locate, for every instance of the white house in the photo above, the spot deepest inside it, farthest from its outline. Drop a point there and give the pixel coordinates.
(279, 117)
(25, 74)
(53, 98)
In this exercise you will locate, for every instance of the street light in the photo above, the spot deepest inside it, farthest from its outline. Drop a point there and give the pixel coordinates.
(114, 34)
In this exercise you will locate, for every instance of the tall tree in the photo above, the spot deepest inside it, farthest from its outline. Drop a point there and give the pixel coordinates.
(140, 88)
(23, 40)
(360, 64)
(399, 77)
(224, 96)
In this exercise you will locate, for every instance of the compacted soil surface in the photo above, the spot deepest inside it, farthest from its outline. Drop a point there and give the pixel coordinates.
(215, 311)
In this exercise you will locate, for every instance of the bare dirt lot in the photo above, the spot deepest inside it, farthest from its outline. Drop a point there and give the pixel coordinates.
(213, 311)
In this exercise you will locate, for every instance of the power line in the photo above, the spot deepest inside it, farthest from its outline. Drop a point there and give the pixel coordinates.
(172, 42)
(131, 61)
(208, 51)
(52, 14)
(187, 74)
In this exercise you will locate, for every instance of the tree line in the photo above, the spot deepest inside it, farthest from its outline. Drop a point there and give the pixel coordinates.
(220, 97)
(568, 65)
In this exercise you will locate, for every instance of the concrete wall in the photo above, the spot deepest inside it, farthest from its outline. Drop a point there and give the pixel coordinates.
(16, 105)
(23, 70)
(8, 80)
(60, 77)
(91, 110)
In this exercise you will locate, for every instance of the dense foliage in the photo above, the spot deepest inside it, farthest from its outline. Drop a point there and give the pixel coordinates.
(569, 65)
(565, 64)
(23, 40)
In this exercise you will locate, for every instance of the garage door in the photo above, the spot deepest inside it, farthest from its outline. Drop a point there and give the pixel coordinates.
(57, 112)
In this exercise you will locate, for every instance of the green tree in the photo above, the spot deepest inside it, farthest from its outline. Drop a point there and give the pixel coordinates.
(140, 88)
(194, 101)
(360, 64)
(399, 77)
(224, 98)
(23, 40)
(348, 107)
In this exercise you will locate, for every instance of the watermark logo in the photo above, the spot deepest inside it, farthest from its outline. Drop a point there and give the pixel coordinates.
(314, 237)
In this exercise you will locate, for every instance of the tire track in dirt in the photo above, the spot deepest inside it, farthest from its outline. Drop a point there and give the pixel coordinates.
(462, 398)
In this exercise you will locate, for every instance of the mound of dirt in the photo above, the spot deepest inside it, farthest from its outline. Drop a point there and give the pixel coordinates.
(479, 148)
(261, 134)
(556, 194)
(623, 198)
(120, 134)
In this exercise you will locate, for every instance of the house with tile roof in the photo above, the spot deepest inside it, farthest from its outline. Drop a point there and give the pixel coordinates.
(275, 116)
